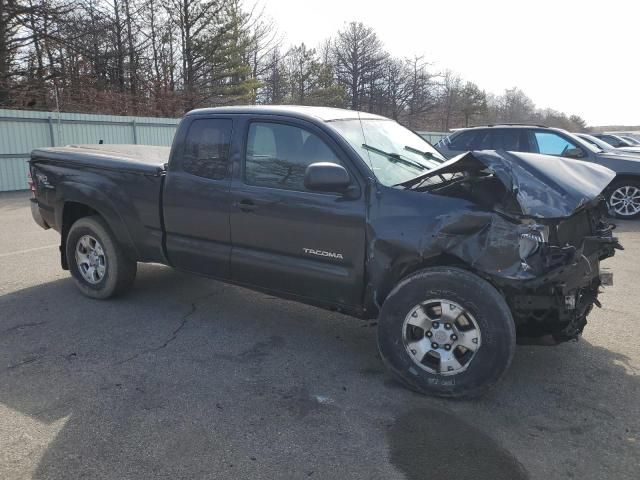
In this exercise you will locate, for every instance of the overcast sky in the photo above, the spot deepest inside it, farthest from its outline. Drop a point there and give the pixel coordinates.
(579, 57)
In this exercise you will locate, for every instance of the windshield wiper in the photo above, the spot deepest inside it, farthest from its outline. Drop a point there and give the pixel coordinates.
(395, 157)
(427, 155)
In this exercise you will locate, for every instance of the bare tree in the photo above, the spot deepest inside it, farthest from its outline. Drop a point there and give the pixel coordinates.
(275, 80)
(516, 106)
(422, 91)
(162, 57)
(302, 72)
(473, 101)
(450, 97)
(358, 56)
(11, 12)
(264, 40)
(396, 93)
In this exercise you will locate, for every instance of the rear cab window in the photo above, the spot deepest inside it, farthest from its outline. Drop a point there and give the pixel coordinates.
(206, 148)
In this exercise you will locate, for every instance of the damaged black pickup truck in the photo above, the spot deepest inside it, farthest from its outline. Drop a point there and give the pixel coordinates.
(352, 212)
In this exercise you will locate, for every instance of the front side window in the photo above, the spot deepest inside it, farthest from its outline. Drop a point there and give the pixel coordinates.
(206, 150)
(278, 155)
(550, 143)
(394, 153)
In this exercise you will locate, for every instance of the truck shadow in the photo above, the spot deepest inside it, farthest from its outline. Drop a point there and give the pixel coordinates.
(187, 377)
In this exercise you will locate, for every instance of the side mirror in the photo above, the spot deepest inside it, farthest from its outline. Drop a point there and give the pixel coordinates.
(326, 177)
(574, 153)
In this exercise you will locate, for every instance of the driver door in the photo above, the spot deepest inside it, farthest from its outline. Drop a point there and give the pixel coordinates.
(284, 237)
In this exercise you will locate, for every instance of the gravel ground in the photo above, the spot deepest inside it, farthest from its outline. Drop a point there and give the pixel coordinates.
(190, 378)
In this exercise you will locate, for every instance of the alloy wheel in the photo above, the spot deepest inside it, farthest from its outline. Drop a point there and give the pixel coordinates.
(441, 337)
(91, 260)
(625, 200)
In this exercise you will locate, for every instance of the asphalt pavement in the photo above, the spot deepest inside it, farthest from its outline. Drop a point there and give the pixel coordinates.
(186, 377)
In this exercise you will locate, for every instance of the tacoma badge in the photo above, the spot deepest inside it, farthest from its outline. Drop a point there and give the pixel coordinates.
(322, 253)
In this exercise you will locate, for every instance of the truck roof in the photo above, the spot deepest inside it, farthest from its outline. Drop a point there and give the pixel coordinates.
(325, 114)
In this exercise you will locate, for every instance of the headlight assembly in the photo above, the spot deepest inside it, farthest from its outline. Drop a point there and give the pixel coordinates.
(531, 240)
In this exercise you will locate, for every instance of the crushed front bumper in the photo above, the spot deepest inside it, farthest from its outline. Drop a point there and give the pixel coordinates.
(553, 307)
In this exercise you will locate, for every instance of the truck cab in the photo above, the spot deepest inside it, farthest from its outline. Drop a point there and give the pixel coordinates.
(238, 173)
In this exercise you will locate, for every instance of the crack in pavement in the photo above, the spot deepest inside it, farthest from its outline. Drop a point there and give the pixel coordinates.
(22, 325)
(23, 362)
(174, 334)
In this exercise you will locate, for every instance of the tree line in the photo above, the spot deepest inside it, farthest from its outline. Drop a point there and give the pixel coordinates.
(165, 57)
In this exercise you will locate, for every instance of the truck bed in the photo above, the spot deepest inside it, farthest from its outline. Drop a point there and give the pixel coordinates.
(145, 159)
(123, 183)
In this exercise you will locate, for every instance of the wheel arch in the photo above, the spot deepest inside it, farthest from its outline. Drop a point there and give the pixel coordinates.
(624, 176)
(82, 201)
(398, 272)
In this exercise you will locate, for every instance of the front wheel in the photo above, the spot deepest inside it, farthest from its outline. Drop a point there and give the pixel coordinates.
(446, 332)
(97, 263)
(624, 199)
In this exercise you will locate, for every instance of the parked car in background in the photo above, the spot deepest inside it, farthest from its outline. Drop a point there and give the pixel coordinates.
(601, 144)
(352, 212)
(630, 139)
(617, 142)
(613, 140)
(623, 194)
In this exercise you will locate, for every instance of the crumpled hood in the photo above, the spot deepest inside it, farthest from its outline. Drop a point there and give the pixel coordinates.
(543, 186)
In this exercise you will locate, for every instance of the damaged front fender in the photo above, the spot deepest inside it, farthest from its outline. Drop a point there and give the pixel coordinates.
(508, 217)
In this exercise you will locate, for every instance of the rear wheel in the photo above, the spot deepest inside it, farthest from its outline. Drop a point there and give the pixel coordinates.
(624, 199)
(97, 263)
(446, 332)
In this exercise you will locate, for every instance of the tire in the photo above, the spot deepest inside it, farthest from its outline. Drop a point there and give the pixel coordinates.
(480, 304)
(617, 193)
(117, 270)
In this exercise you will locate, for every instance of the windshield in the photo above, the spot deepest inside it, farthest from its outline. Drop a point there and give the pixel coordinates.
(394, 153)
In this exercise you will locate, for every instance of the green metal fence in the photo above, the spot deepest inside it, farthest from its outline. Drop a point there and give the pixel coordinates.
(22, 131)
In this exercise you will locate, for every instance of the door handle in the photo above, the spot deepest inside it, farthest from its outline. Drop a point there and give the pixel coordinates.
(247, 205)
